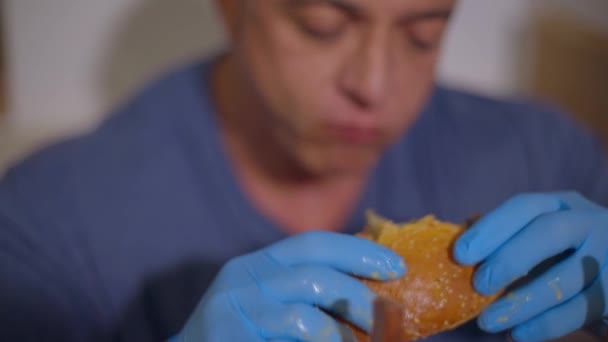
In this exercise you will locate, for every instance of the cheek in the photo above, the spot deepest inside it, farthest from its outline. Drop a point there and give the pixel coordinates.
(306, 80)
(306, 74)
(411, 88)
(290, 76)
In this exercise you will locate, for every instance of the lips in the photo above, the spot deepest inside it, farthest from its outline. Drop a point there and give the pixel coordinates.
(355, 134)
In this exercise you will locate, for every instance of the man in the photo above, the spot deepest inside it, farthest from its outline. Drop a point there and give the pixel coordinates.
(261, 161)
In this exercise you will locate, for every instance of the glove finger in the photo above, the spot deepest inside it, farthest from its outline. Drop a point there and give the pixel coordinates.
(574, 200)
(349, 254)
(495, 228)
(585, 308)
(559, 232)
(327, 288)
(560, 283)
(300, 322)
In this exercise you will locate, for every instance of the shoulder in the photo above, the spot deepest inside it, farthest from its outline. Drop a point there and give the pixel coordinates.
(553, 147)
(529, 122)
(519, 111)
(133, 138)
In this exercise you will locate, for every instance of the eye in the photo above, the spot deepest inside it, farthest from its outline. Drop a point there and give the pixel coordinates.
(321, 21)
(426, 34)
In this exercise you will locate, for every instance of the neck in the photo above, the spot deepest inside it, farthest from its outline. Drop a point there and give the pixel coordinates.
(278, 186)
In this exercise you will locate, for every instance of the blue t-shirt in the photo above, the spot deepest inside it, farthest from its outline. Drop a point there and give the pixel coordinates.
(117, 233)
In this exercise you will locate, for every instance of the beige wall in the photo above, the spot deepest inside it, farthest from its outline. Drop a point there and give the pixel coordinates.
(70, 59)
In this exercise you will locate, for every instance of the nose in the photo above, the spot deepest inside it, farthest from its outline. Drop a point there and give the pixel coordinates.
(364, 76)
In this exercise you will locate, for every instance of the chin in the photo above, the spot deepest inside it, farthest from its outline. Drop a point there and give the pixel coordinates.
(343, 164)
(348, 170)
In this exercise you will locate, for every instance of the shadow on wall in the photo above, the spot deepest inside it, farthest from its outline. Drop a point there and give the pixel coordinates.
(155, 36)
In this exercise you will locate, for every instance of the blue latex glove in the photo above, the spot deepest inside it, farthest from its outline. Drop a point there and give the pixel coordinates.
(517, 236)
(280, 293)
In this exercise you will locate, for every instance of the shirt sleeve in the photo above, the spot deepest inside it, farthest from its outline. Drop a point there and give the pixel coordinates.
(585, 163)
(570, 155)
(43, 296)
(595, 187)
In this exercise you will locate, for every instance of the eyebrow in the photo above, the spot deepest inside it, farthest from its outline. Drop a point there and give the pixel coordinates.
(355, 11)
(345, 6)
(436, 13)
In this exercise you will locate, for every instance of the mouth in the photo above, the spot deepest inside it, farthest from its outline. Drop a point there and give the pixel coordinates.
(354, 134)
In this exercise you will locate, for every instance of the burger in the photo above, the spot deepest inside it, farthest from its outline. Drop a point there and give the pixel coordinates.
(437, 293)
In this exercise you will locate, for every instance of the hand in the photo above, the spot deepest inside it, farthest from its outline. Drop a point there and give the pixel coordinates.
(281, 292)
(519, 235)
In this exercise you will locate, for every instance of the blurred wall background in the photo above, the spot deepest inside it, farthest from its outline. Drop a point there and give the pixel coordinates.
(69, 61)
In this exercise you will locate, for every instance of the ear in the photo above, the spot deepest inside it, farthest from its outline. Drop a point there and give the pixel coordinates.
(230, 13)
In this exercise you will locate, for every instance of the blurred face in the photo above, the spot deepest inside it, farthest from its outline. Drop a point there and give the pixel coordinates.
(336, 80)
